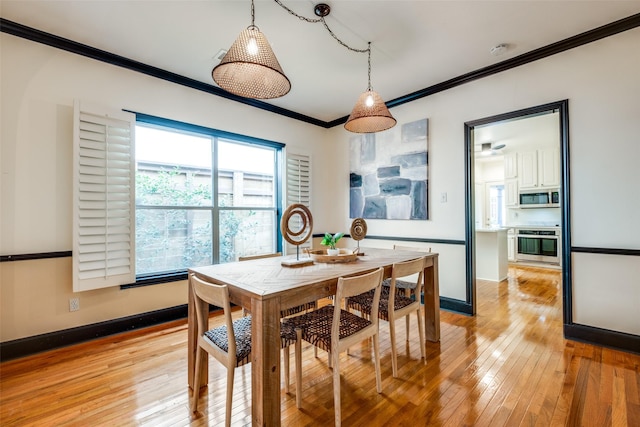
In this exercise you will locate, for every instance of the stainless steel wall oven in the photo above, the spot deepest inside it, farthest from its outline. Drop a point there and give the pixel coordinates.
(538, 245)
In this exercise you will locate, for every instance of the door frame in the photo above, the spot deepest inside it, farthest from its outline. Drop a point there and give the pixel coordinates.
(565, 221)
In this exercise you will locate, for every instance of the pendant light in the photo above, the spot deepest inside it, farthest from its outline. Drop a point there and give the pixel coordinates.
(370, 113)
(250, 68)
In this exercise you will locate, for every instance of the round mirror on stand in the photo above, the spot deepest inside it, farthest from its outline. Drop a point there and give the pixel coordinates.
(296, 226)
(358, 232)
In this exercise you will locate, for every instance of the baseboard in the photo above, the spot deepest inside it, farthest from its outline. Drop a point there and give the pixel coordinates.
(31, 345)
(52, 340)
(450, 304)
(456, 305)
(603, 337)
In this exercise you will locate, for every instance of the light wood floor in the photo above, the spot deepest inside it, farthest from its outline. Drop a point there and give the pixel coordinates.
(508, 366)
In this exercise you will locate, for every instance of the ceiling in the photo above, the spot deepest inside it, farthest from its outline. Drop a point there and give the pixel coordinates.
(415, 44)
(520, 134)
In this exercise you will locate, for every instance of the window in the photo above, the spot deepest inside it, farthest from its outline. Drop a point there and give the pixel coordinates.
(202, 196)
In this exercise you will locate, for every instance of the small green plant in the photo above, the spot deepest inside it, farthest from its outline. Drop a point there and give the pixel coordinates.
(329, 240)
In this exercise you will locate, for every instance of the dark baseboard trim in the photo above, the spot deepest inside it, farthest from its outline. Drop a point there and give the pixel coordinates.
(31, 345)
(456, 305)
(36, 344)
(28, 257)
(39, 343)
(603, 337)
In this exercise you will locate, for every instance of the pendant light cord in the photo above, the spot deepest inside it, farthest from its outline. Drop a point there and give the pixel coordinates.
(324, 22)
(253, 15)
(369, 69)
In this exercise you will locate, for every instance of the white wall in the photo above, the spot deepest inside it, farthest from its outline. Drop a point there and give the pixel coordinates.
(602, 84)
(490, 170)
(39, 85)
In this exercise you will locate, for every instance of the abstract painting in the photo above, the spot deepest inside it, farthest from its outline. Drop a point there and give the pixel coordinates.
(388, 173)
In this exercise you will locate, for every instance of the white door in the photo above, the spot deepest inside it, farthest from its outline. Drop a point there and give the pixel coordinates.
(495, 210)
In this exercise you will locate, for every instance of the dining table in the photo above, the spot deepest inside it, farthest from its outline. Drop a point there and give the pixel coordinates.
(265, 287)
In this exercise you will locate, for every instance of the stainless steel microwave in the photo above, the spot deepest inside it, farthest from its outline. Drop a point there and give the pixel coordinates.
(540, 199)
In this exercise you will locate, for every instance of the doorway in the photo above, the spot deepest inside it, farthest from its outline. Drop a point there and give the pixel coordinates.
(503, 195)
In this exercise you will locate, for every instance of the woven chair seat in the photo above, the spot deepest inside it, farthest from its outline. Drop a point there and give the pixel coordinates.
(290, 311)
(298, 309)
(242, 331)
(287, 335)
(400, 284)
(316, 325)
(363, 303)
(401, 288)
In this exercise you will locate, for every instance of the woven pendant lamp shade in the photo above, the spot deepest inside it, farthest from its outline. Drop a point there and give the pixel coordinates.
(370, 119)
(250, 68)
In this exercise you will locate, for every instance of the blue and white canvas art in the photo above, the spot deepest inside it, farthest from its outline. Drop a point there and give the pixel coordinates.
(388, 173)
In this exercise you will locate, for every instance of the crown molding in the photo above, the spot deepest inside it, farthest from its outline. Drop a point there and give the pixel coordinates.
(590, 36)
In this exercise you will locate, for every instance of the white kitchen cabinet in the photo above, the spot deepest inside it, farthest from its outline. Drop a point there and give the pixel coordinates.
(511, 247)
(539, 169)
(510, 165)
(528, 169)
(511, 192)
(549, 167)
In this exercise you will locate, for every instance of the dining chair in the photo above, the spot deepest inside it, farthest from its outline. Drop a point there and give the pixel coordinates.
(334, 330)
(406, 287)
(230, 343)
(394, 305)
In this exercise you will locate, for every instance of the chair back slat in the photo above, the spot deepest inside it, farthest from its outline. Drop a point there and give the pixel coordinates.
(351, 286)
(403, 270)
(206, 293)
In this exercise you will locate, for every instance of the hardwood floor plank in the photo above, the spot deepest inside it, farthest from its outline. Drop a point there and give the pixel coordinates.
(537, 412)
(509, 365)
(619, 402)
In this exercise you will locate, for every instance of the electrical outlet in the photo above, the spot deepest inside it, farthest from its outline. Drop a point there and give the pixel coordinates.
(74, 304)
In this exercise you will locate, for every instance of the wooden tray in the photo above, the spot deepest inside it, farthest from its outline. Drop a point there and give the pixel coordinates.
(320, 255)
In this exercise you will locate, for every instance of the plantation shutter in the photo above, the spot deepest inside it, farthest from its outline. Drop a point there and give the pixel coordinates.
(298, 189)
(103, 198)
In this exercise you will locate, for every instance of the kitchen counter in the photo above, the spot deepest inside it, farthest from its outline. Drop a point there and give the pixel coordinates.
(492, 261)
(491, 229)
(534, 227)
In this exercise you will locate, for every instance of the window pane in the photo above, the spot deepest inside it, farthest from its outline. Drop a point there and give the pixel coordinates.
(245, 175)
(175, 205)
(172, 239)
(172, 168)
(246, 232)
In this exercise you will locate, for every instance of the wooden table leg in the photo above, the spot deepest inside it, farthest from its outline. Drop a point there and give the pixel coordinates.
(431, 300)
(265, 362)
